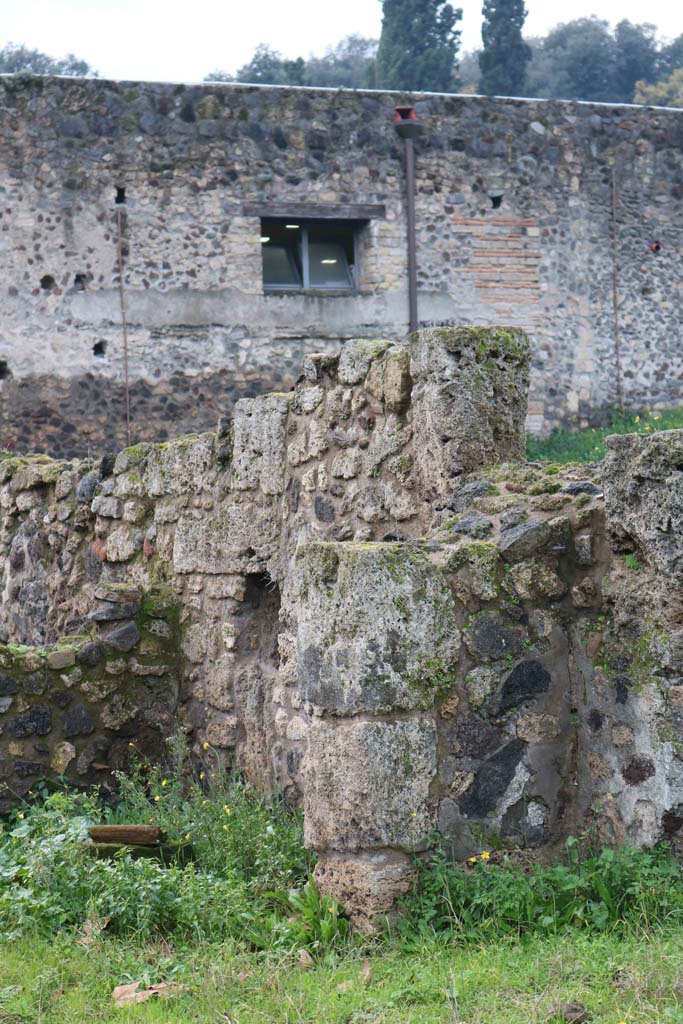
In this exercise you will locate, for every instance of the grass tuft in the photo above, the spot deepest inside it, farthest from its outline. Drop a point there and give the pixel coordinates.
(565, 446)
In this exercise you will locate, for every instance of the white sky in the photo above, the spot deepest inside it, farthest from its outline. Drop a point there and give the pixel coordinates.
(170, 40)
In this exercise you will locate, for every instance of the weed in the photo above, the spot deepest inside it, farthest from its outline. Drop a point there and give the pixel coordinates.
(589, 445)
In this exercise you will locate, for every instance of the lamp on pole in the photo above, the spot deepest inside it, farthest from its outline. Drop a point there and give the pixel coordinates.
(408, 126)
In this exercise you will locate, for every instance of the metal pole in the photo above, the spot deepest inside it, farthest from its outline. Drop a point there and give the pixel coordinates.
(615, 295)
(124, 325)
(412, 245)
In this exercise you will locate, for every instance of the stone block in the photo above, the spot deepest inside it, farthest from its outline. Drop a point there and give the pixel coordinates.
(469, 401)
(644, 497)
(525, 540)
(376, 628)
(259, 442)
(368, 886)
(368, 784)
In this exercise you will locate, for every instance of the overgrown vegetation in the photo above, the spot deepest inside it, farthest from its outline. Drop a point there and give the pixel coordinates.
(249, 879)
(564, 446)
(613, 890)
(241, 934)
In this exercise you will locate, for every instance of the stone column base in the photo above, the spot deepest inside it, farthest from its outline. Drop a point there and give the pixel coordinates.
(368, 885)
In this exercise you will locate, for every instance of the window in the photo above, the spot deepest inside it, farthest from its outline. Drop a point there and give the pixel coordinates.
(302, 255)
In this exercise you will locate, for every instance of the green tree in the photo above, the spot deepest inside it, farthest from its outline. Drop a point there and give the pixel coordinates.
(636, 58)
(671, 56)
(585, 60)
(666, 93)
(574, 61)
(15, 58)
(418, 46)
(505, 55)
(266, 67)
(350, 65)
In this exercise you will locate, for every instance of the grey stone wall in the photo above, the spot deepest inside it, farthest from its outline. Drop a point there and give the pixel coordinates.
(360, 595)
(514, 210)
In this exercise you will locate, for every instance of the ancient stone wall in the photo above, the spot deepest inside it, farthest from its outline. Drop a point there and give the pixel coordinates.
(514, 213)
(359, 594)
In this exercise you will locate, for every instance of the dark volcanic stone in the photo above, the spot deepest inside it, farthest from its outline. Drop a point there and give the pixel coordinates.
(77, 722)
(582, 487)
(8, 687)
(595, 720)
(472, 737)
(491, 781)
(526, 681)
(114, 612)
(622, 686)
(62, 698)
(323, 510)
(638, 770)
(124, 638)
(473, 525)
(37, 721)
(465, 495)
(26, 768)
(90, 655)
(85, 491)
(524, 540)
(490, 636)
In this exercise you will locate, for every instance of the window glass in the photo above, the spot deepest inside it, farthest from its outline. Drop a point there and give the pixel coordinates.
(281, 248)
(327, 265)
(279, 267)
(308, 253)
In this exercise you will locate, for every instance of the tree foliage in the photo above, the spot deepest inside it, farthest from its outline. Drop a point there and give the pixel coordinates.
(349, 64)
(585, 60)
(418, 46)
(15, 58)
(505, 55)
(668, 92)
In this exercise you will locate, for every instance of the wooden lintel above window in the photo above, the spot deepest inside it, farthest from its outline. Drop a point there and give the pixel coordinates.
(317, 211)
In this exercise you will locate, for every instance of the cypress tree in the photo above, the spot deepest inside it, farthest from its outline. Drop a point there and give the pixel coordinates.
(505, 55)
(418, 46)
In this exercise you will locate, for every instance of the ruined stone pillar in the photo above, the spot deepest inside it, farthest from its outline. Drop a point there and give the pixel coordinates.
(376, 635)
(469, 401)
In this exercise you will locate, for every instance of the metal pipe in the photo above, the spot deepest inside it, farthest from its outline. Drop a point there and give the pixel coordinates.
(408, 126)
(615, 295)
(412, 244)
(124, 325)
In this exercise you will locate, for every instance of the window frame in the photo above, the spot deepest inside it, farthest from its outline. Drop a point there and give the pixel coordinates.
(305, 288)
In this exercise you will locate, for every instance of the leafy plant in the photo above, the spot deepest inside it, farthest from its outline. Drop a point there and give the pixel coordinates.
(612, 889)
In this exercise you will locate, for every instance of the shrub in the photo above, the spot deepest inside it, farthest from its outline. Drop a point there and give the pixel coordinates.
(612, 889)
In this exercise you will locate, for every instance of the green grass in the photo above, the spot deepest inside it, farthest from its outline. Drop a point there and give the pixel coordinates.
(635, 979)
(589, 445)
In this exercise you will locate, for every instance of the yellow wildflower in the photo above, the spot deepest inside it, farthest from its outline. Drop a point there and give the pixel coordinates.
(164, 782)
(331, 910)
(201, 775)
(225, 828)
(637, 419)
(485, 855)
(654, 418)
(473, 860)
(21, 816)
(205, 746)
(156, 799)
(187, 835)
(226, 809)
